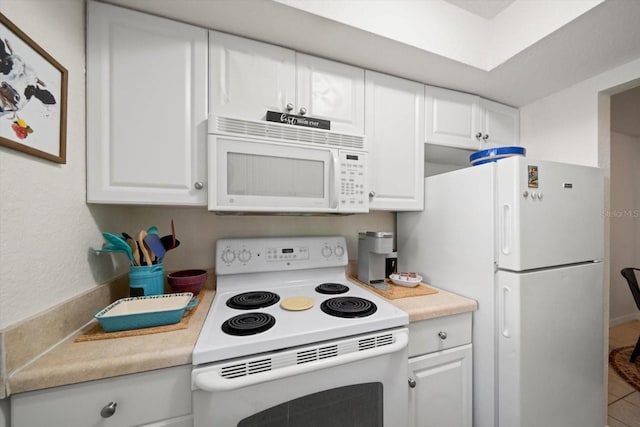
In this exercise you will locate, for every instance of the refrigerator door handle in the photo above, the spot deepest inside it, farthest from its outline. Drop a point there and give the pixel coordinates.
(507, 229)
(504, 327)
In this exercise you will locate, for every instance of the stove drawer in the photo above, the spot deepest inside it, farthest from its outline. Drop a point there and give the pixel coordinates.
(427, 336)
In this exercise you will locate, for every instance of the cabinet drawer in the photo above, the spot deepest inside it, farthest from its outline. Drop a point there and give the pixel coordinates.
(431, 335)
(140, 399)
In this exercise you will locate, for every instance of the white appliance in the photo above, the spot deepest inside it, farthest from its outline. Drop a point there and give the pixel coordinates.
(525, 239)
(289, 336)
(260, 166)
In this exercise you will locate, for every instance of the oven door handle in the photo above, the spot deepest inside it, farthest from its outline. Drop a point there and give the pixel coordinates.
(211, 381)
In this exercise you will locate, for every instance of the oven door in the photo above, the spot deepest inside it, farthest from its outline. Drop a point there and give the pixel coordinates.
(357, 381)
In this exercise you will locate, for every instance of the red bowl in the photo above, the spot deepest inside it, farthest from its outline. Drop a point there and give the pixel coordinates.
(187, 280)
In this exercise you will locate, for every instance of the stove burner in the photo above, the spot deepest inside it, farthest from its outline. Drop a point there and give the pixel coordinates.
(348, 307)
(248, 324)
(253, 300)
(331, 288)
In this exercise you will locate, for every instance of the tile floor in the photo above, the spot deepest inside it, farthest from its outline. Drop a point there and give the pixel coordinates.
(624, 400)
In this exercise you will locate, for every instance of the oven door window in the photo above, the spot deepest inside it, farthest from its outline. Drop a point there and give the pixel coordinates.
(348, 406)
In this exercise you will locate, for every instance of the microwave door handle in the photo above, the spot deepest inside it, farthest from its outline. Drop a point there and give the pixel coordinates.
(336, 180)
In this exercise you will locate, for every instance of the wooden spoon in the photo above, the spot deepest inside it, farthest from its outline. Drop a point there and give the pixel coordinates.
(134, 248)
(143, 247)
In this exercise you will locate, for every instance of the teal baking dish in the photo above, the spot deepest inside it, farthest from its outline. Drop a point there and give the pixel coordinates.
(145, 311)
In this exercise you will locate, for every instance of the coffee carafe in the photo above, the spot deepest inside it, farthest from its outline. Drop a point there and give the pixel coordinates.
(376, 259)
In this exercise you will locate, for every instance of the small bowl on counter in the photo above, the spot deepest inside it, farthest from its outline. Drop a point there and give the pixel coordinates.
(187, 280)
(408, 280)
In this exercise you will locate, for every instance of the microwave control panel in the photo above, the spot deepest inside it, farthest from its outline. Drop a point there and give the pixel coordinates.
(353, 194)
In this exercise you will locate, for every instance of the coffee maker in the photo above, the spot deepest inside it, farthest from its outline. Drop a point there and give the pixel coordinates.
(376, 258)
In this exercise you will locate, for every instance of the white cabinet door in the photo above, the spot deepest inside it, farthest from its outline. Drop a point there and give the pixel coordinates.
(247, 77)
(332, 91)
(395, 136)
(440, 393)
(155, 398)
(146, 108)
(500, 124)
(452, 118)
(461, 120)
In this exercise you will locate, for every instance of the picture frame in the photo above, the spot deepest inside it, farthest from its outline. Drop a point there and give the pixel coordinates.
(33, 96)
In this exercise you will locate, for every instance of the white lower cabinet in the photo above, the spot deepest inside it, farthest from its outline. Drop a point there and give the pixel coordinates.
(440, 372)
(160, 398)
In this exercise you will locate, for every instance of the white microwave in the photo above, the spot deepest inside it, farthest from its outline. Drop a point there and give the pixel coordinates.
(288, 174)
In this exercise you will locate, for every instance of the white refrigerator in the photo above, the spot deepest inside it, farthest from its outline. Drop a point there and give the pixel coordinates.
(525, 239)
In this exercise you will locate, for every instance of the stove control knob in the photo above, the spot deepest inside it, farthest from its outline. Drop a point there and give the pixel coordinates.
(228, 256)
(244, 256)
(326, 251)
(339, 251)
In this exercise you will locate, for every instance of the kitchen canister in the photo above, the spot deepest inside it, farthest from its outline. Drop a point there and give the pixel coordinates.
(146, 280)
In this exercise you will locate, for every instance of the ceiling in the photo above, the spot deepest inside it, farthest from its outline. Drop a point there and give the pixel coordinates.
(484, 8)
(603, 37)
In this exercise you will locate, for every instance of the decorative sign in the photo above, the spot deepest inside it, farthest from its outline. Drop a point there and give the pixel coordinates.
(292, 119)
(33, 96)
(532, 176)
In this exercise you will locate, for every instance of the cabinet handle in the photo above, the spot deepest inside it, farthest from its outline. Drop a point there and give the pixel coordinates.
(442, 335)
(412, 383)
(303, 111)
(108, 410)
(289, 107)
(372, 194)
(478, 135)
(198, 185)
(485, 137)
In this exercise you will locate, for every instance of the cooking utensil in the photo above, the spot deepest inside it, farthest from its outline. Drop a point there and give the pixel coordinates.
(148, 259)
(134, 249)
(153, 241)
(167, 242)
(173, 235)
(118, 242)
(152, 230)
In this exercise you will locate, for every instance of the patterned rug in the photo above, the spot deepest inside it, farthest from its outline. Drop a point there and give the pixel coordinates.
(619, 361)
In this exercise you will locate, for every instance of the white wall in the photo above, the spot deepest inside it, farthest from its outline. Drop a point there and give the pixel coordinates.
(624, 217)
(45, 226)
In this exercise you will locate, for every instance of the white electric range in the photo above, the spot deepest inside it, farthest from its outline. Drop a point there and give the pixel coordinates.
(263, 274)
(286, 325)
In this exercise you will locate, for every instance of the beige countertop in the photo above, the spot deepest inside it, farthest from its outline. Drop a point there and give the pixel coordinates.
(425, 307)
(72, 362)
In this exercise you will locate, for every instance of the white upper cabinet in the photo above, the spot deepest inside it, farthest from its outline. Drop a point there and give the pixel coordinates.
(500, 124)
(146, 109)
(332, 91)
(467, 121)
(248, 78)
(395, 135)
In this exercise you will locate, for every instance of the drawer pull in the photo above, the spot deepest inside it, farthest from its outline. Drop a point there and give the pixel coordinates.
(412, 383)
(108, 410)
(442, 335)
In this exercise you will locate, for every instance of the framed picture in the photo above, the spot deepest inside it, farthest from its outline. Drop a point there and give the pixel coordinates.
(33, 96)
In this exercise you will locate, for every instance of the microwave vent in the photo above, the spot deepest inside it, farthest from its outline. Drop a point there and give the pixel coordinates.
(288, 133)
